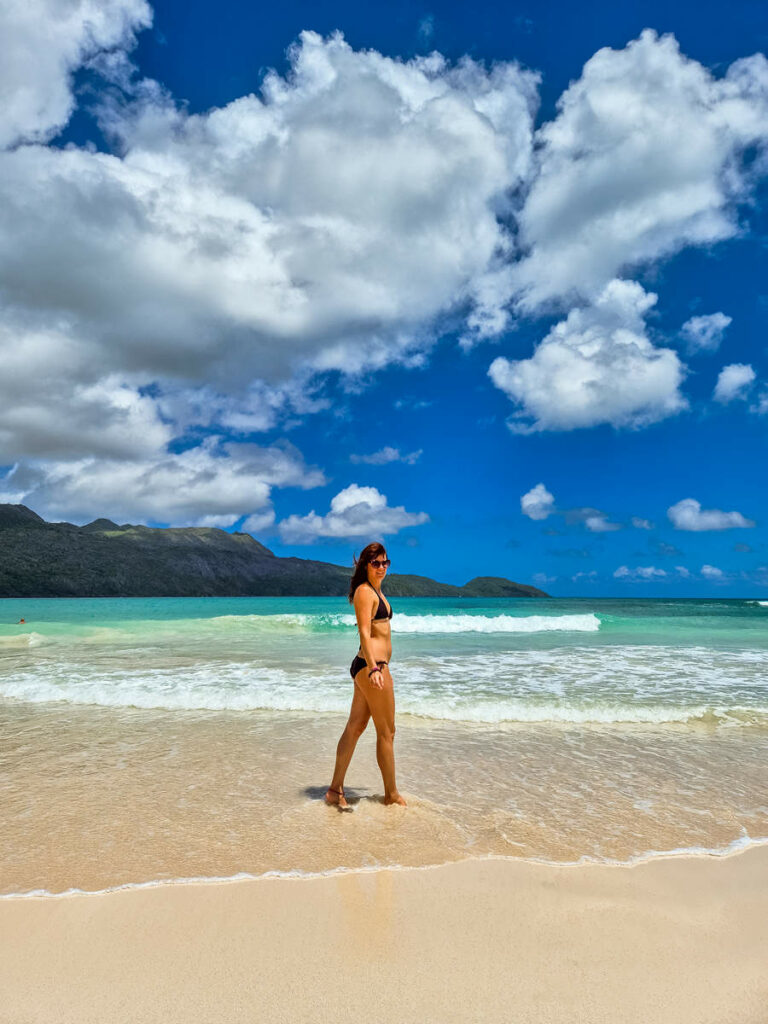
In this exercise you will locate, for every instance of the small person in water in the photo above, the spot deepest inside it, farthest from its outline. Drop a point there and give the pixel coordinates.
(373, 696)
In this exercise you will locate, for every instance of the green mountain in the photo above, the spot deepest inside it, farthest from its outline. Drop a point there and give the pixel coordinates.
(102, 559)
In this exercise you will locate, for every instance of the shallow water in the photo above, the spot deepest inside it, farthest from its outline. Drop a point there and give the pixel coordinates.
(149, 739)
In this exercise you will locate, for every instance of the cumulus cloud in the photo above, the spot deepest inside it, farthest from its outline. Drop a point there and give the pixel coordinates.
(212, 484)
(259, 521)
(592, 518)
(689, 515)
(538, 503)
(597, 366)
(643, 158)
(330, 219)
(760, 408)
(641, 524)
(355, 512)
(44, 41)
(385, 455)
(58, 398)
(711, 572)
(642, 572)
(733, 382)
(704, 333)
(186, 278)
(55, 404)
(82, 442)
(598, 523)
(338, 220)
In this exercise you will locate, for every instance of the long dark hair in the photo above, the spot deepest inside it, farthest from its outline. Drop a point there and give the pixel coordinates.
(360, 575)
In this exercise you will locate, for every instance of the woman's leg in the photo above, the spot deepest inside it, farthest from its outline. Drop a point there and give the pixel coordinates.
(382, 707)
(359, 716)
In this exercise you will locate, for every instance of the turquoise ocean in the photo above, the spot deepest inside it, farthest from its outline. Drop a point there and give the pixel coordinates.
(146, 740)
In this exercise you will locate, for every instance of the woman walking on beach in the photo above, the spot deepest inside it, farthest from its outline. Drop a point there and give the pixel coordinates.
(373, 695)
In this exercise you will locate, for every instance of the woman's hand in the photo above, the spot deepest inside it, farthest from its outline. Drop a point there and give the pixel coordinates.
(376, 677)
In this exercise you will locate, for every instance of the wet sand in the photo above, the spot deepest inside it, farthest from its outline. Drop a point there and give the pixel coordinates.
(95, 798)
(669, 941)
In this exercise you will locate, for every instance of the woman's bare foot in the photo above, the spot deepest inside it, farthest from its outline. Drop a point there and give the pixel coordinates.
(395, 799)
(336, 798)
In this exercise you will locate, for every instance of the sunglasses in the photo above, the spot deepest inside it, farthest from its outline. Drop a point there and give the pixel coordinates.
(385, 563)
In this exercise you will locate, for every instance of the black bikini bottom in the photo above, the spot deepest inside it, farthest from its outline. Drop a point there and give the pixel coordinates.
(359, 663)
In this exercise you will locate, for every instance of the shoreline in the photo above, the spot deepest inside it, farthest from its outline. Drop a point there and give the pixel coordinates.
(736, 848)
(98, 799)
(675, 940)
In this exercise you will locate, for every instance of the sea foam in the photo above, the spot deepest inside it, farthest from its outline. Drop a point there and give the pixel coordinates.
(579, 685)
(402, 623)
(584, 623)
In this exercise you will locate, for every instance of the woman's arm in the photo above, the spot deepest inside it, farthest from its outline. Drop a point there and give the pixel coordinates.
(364, 601)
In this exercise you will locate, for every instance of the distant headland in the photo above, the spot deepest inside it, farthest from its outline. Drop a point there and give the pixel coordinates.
(102, 559)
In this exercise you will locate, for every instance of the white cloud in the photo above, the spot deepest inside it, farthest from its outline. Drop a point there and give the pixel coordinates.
(257, 408)
(355, 512)
(214, 483)
(219, 522)
(329, 221)
(58, 398)
(44, 41)
(85, 443)
(689, 515)
(682, 571)
(642, 572)
(385, 455)
(599, 524)
(336, 221)
(597, 366)
(711, 572)
(592, 518)
(761, 406)
(55, 403)
(584, 575)
(733, 382)
(641, 524)
(538, 503)
(641, 160)
(260, 521)
(705, 333)
(541, 579)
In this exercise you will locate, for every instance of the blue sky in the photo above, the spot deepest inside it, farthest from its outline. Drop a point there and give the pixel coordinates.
(485, 283)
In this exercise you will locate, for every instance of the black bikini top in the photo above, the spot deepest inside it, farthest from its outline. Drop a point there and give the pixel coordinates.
(382, 608)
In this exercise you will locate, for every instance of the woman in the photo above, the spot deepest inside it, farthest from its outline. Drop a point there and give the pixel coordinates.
(373, 696)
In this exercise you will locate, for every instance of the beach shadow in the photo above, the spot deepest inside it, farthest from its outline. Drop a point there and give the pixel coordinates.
(354, 797)
(318, 793)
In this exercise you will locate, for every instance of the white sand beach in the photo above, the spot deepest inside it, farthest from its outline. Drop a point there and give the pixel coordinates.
(677, 940)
